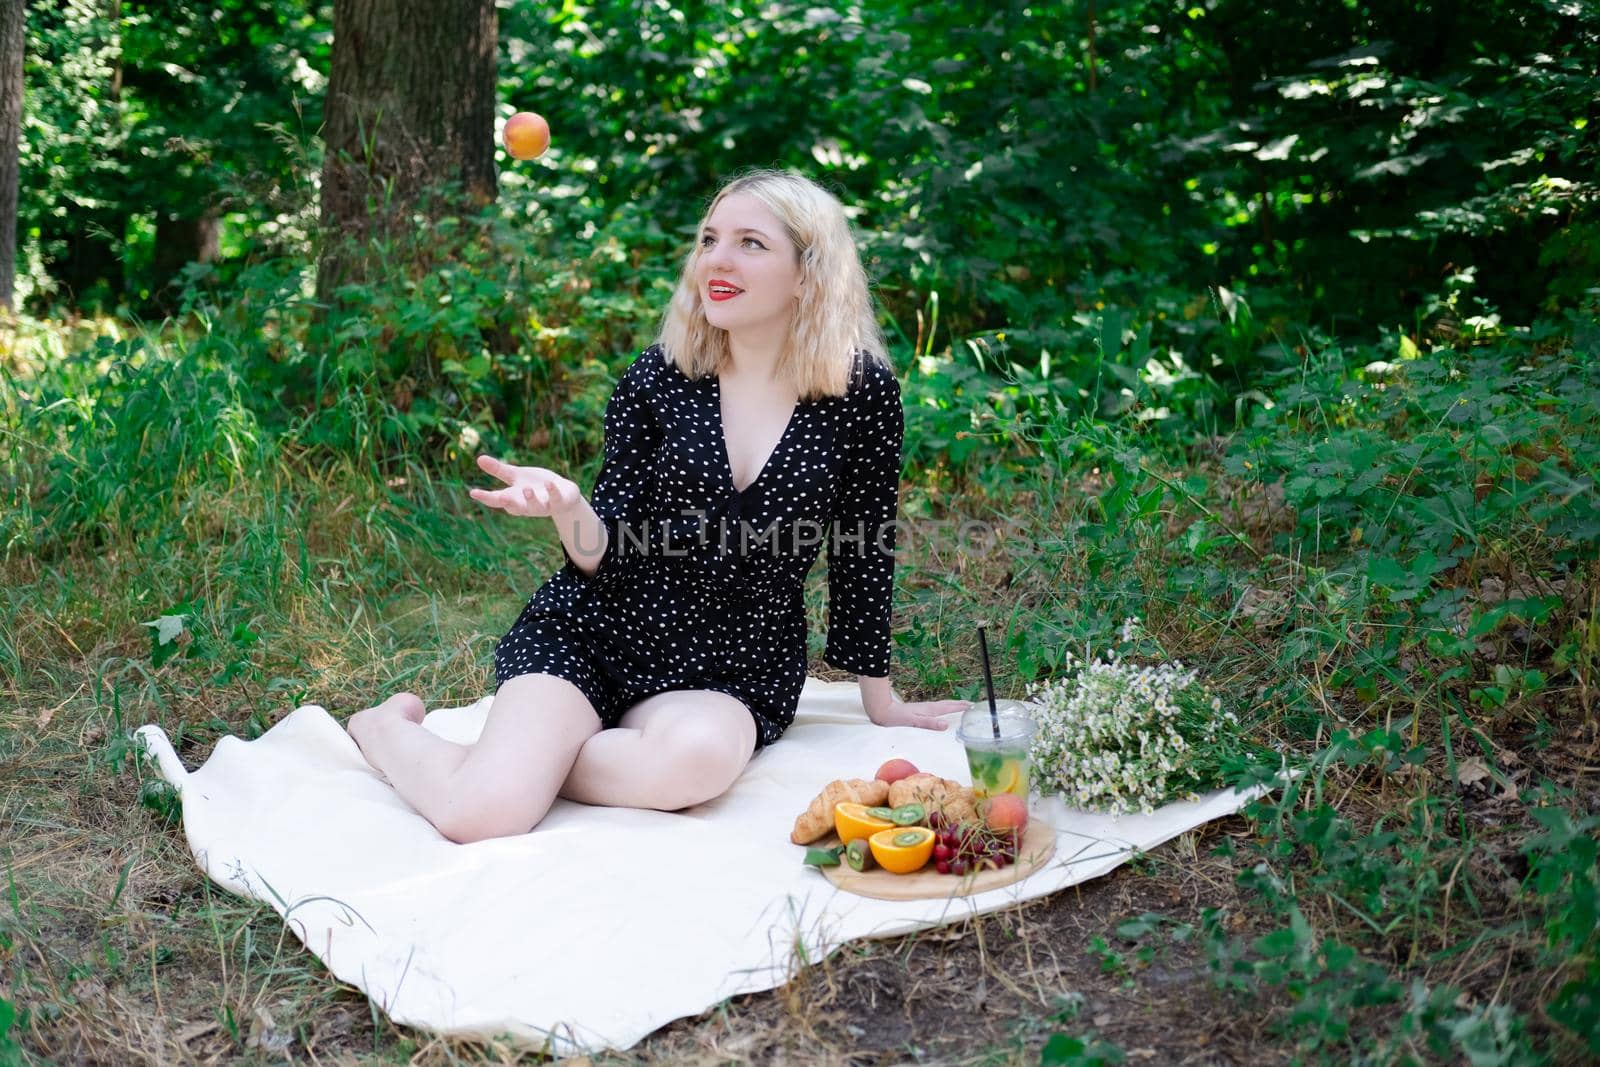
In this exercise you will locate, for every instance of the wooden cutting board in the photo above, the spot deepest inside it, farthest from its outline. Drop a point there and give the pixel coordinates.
(1038, 845)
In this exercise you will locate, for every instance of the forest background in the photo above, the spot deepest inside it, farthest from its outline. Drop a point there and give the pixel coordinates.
(1272, 326)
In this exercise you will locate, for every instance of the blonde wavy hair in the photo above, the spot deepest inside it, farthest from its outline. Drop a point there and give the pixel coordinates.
(833, 316)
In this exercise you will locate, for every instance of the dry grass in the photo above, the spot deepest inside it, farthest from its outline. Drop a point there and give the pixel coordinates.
(120, 952)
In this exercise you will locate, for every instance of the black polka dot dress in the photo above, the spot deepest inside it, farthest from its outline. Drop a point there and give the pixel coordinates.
(702, 585)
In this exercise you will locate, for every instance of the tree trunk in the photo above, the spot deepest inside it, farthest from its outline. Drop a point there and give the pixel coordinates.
(13, 14)
(410, 105)
(180, 242)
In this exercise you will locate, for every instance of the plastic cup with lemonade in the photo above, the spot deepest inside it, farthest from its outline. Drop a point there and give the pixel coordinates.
(998, 765)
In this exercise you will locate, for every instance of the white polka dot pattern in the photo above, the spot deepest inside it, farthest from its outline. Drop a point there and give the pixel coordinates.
(861, 556)
(701, 585)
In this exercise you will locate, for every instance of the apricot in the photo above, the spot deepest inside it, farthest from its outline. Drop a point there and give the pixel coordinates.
(895, 770)
(1006, 811)
(526, 135)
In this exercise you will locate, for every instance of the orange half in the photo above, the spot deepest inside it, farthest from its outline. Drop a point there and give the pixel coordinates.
(902, 849)
(852, 821)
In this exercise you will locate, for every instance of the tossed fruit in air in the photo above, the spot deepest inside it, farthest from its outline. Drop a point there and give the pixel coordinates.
(526, 135)
(902, 851)
(896, 769)
(855, 820)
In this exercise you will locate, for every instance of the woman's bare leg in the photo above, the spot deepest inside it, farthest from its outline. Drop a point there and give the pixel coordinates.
(414, 754)
(505, 782)
(668, 751)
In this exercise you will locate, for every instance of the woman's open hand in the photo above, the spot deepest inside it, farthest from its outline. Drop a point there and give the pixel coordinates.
(533, 492)
(926, 714)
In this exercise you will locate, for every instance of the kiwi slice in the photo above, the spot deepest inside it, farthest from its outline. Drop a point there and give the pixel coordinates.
(858, 854)
(907, 838)
(908, 814)
(886, 814)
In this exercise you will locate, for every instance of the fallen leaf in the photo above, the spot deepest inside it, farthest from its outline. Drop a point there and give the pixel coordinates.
(1471, 771)
(194, 1030)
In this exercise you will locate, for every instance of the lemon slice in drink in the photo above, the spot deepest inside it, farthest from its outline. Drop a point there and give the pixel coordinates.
(1010, 777)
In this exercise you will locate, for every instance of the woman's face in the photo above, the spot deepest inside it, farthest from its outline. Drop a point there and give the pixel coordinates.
(744, 245)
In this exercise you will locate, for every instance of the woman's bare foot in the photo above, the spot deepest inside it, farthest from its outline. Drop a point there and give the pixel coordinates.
(362, 724)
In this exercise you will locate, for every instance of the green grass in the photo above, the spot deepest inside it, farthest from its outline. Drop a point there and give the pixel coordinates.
(1398, 597)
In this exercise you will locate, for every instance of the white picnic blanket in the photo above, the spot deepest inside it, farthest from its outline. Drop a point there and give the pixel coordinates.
(603, 924)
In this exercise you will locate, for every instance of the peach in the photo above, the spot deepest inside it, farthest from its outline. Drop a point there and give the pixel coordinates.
(526, 135)
(895, 770)
(1006, 811)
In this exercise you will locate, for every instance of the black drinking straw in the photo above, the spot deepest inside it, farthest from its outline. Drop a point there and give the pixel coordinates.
(988, 680)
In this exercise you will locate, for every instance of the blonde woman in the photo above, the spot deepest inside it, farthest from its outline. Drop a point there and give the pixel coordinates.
(761, 429)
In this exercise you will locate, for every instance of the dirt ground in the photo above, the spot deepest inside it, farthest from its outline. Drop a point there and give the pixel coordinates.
(175, 971)
(992, 990)
(120, 952)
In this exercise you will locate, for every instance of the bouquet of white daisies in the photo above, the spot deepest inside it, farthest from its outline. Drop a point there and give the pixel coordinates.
(1117, 737)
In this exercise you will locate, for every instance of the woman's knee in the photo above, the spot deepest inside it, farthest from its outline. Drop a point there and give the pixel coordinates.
(701, 758)
(511, 776)
(485, 804)
(483, 817)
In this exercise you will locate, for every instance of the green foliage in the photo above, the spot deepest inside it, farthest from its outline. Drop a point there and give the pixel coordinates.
(10, 1050)
(476, 331)
(1067, 1050)
(160, 797)
(1333, 989)
(1565, 880)
(165, 113)
(116, 434)
(1225, 187)
(1448, 497)
(1406, 139)
(1272, 327)
(186, 630)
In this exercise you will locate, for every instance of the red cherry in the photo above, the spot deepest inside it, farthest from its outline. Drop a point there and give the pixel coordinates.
(959, 867)
(942, 866)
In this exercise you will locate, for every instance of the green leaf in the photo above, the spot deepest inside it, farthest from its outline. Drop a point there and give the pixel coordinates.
(1134, 929)
(1386, 572)
(167, 627)
(824, 857)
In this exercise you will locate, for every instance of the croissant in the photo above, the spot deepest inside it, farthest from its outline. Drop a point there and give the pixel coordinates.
(817, 819)
(960, 808)
(921, 788)
(951, 799)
